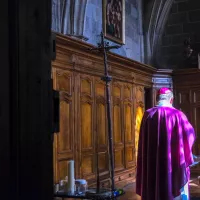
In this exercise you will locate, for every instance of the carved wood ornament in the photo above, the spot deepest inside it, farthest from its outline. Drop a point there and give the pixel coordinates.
(77, 75)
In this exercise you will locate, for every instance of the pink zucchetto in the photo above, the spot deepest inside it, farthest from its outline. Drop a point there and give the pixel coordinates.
(163, 91)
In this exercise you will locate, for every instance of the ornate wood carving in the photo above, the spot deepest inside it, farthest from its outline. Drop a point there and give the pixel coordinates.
(77, 75)
(63, 142)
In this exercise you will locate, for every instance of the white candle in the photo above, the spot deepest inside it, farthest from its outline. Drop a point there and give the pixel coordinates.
(71, 180)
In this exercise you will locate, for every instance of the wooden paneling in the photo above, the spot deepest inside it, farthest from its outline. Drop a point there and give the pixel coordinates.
(183, 102)
(128, 130)
(101, 136)
(83, 134)
(86, 120)
(187, 90)
(196, 96)
(63, 142)
(117, 103)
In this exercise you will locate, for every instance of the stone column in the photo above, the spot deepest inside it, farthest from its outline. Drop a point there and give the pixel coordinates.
(56, 15)
(154, 25)
(68, 17)
(141, 32)
(79, 17)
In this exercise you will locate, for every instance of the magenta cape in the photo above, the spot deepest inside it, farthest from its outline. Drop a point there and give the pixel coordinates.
(164, 153)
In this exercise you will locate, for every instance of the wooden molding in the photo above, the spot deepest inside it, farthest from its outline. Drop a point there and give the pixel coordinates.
(75, 54)
(186, 78)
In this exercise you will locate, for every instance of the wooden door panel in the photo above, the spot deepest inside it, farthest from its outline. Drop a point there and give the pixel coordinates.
(139, 95)
(119, 159)
(128, 92)
(86, 126)
(64, 81)
(196, 114)
(86, 85)
(128, 123)
(101, 116)
(62, 169)
(64, 140)
(65, 137)
(100, 88)
(130, 156)
(186, 110)
(101, 124)
(196, 96)
(196, 119)
(85, 117)
(103, 161)
(117, 113)
(116, 90)
(184, 103)
(87, 166)
(183, 97)
(101, 128)
(117, 124)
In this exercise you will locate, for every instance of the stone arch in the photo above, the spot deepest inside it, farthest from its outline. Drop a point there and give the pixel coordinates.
(156, 14)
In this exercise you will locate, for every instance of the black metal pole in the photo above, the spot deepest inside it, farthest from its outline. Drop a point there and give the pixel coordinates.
(103, 47)
(107, 80)
(97, 163)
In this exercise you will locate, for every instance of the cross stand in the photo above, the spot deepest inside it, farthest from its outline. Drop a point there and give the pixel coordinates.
(103, 47)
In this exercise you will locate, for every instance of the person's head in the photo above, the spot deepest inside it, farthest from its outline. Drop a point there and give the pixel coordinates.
(165, 95)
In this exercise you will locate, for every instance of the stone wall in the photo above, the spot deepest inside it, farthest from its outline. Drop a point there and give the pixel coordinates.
(183, 22)
(133, 47)
(92, 26)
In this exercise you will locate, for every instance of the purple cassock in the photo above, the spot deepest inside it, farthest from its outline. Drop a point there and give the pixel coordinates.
(164, 153)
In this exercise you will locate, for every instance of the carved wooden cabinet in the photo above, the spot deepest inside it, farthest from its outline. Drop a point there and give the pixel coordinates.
(83, 125)
(187, 96)
(64, 140)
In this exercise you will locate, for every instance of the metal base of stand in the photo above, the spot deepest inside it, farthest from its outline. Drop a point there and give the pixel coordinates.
(103, 194)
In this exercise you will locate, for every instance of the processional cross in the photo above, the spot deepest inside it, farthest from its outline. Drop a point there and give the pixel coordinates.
(103, 47)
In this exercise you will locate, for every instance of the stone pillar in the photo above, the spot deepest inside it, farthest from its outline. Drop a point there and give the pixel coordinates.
(68, 17)
(141, 32)
(155, 21)
(79, 17)
(56, 15)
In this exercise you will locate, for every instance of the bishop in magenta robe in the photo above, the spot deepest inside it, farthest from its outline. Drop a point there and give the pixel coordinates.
(164, 151)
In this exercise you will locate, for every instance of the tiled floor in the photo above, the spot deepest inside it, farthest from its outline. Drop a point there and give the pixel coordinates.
(131, 195)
